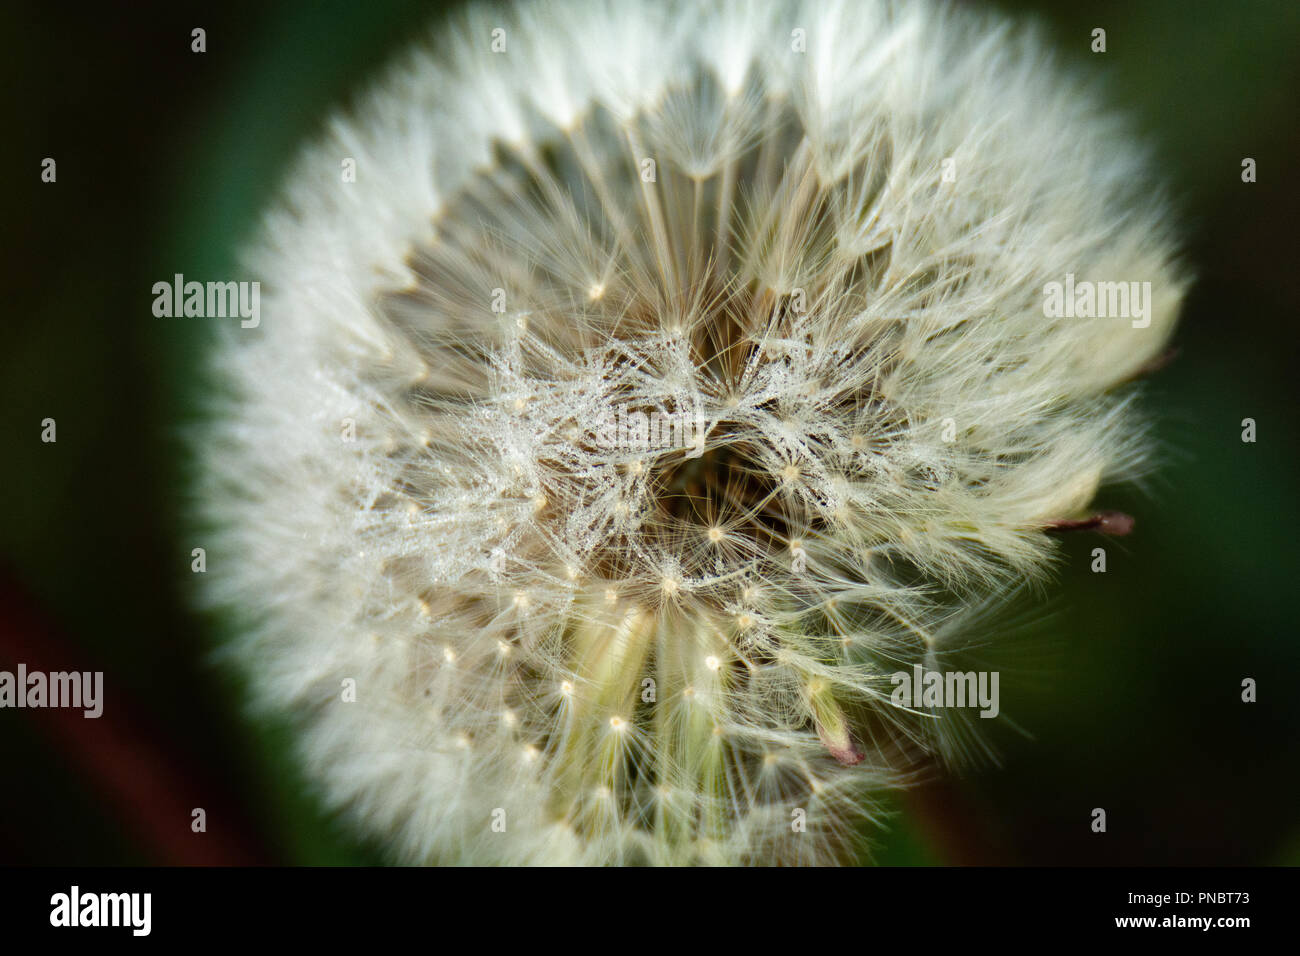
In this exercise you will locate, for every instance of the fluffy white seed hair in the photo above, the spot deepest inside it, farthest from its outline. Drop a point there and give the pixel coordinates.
(807, 244)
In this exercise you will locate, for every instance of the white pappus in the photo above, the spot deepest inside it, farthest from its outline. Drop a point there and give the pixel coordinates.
(818, 233)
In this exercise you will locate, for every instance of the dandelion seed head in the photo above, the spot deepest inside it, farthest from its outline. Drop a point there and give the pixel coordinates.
(668, 210)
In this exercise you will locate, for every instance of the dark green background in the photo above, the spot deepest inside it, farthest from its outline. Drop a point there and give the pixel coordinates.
(1128, 683)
